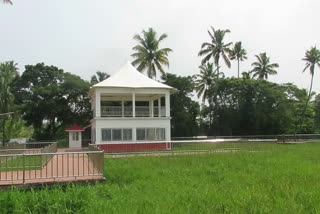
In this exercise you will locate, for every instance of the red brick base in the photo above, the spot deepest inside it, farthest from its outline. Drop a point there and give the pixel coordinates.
(135, 147)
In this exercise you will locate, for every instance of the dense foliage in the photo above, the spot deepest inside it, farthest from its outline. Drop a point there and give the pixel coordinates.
(51, 99)
(184, 111)
(45, 99)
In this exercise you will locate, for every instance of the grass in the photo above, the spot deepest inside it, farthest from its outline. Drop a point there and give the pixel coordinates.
(275, 179)
(245, 146)
(16, 163)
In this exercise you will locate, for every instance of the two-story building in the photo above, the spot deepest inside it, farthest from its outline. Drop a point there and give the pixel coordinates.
(131, 112)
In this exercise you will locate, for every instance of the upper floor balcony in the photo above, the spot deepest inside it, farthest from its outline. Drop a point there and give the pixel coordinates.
(127, 111)
(139, 103)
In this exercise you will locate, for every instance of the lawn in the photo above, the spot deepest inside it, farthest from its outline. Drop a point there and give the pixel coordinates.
(279, 179)
(12, 163)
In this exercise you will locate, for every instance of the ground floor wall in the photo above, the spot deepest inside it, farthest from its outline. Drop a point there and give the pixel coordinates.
(135, 147)
(128, 123)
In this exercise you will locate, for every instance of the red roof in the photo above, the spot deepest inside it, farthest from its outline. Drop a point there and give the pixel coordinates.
(75, 127)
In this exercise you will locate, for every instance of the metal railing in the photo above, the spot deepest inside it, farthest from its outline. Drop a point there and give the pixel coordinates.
(206, 144)
(141, 111)
(31, 145)
(49, 165)
(279, 138)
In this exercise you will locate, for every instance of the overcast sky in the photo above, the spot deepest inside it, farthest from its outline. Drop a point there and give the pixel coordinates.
(83, 36)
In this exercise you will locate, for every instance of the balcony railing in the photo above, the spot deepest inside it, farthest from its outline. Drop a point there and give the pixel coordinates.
(141, 111)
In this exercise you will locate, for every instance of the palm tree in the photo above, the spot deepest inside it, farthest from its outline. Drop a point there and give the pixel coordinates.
(8, 71)
(246, 75)
(238, 53)
(263, 68)
(216, 49)
(205, 80)
(312, 58)
(99, 77)
(148, 56)
(7, 2)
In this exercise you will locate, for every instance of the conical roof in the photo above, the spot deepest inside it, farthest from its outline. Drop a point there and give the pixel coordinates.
(129, 77)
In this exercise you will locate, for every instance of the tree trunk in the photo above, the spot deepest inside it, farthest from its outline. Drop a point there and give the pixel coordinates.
(238, 69)
(217, 67)
(306, 105)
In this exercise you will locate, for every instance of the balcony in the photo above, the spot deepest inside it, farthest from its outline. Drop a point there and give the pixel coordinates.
(141, 111)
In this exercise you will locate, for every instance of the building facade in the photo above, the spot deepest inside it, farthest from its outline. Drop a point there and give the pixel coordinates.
(131, 112)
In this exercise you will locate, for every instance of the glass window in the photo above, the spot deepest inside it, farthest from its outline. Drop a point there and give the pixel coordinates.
(75, 136)
(160, 134)
(116, 134)
(151, 134)
(127, 134)
(141, 134)
(106, 134)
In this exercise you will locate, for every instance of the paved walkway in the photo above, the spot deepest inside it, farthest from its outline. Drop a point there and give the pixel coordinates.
(60, 168)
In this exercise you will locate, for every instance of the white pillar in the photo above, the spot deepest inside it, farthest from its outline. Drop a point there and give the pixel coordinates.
(151, 108)
(122, 107)
(168, 104)
(98, 104)
(159, 107)
(133, 104)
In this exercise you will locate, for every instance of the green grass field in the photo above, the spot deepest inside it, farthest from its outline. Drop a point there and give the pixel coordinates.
(16, 163)
(272, 179)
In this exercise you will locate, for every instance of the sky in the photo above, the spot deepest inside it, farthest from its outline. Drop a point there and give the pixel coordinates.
(84, 36)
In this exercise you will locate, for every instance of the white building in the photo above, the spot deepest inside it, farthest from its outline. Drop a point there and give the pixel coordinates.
(130, 108)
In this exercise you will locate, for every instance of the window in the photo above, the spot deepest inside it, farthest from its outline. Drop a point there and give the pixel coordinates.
(160, 134)
(116, 134)
(151, 134)
(106, 134)
(127, 134)
(75, 136)
(141, 134)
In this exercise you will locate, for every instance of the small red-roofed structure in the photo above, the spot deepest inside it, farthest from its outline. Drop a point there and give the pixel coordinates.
(75, 127)
(75, 136)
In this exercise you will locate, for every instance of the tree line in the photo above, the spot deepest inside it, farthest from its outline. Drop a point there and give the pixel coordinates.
(45, 99)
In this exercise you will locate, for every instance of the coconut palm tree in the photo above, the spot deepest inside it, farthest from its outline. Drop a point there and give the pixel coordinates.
(148, 56)
(7, 2)
(99, 77)
(312, 58)
(8, 71)
(246, 75)
(238, 53)
(216, 49)
(205, 80)
(263, 68)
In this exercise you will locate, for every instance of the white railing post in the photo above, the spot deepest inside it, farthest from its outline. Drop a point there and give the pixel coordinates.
(122, 108)
(133, 104)
(167, 104)
(151, 108)
(159, 107)
(98, 104)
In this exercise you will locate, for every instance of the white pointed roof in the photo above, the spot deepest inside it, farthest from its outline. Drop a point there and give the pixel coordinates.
(129, 77)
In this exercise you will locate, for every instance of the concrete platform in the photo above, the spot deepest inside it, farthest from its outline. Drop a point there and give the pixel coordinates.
(61, 168)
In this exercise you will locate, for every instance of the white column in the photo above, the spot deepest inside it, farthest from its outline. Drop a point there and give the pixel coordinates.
(98, 104)
(168, 104)
(159, 107)
(133, 104)
(151, 108)
(122, 107)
